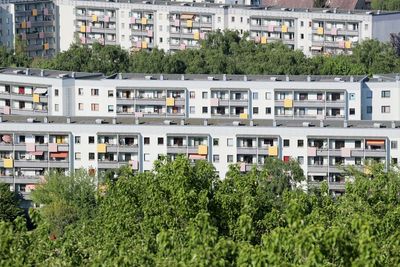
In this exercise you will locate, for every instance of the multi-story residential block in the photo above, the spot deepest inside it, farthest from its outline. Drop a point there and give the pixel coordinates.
(177, 26)
(51, 26)
(34, 25)
(67, 120)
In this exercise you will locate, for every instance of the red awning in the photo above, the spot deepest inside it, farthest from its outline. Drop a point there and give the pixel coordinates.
(59, 155)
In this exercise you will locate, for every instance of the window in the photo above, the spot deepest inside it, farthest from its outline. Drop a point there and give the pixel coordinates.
(369, 94)
(216, 158)
(385, 94)
(216, 142)
(369, 109)
(233, 19)
(192, 94)
(146, 140)
(229, 158)
(94, 92)
(286, 158)
(219, 19)
(302, 36)
(267, 96)
(80, 106)
(110, 108)
(357, 161)
(205, 110)
(204, 95)
(366, 27)
(300, 160)
(357, 144)
(301, 23)
(192, 109)
(229, 141)
(55, 92)
(300, 143)
(352, 96)
(56, 107)
(78, 155)
(241, 19)
(267, 111)
(255, 110)
(80, 91)
(385, 109)
(161, 39)
(91, 156)
(393, 144)
(255, 95)
(394, 161)
(110, 93)
(146, 157)
(94, 107)
(352, 111)
(160, 140)
(91, 139)
(286, 142)
(77, 139)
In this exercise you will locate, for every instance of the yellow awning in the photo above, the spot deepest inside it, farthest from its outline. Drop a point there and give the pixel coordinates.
(273, 151)
(243, 115)
(189, 23)
(284, 28)
(34, 12)
(101, 148)
(36, 98)
(264, 40)
(94, 18)
(202, 150)
(170, 102)
(288, 103)
(144, 21)
(196, 36)
(320, 30)
(8, 163)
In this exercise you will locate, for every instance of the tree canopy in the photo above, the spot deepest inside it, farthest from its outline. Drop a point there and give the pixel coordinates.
(182, 214)
(221, 52)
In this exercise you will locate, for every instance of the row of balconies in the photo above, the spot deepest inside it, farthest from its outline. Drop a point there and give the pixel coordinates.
(24, 97)
(346, 152)
(152, 101)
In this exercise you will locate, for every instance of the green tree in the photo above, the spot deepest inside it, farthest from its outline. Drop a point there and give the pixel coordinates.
(66, 199)
(9, 204)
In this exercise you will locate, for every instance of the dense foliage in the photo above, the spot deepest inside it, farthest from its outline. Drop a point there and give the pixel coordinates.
(181, 214)
(385, 5)
(9, 204)
(221, 52)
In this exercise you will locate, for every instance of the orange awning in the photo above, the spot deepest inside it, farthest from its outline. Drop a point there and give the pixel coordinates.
(187, 16)
(195, 156)
(376, 142)
(59, 155)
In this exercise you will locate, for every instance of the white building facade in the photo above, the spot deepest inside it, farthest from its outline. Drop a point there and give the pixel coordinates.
(66, 121)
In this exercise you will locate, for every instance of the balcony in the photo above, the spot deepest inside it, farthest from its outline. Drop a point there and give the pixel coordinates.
(337, 186)
(31, 163)
(317, 168)
(28, 179)
(247, 150)
(151, 101)
(239, 102)
(335, 104)
(105, 164)
(308, 103)
(6, 147)
(8, 179)
(177, 149)
(375, 153)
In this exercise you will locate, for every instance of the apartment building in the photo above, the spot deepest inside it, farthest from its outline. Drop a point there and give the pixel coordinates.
(176, 26)
(68, 120)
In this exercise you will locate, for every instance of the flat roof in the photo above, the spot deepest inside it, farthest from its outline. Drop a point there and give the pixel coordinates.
(262, 7)
(194, 77)
(200, 122)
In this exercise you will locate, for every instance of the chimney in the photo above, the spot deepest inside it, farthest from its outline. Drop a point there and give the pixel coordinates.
(182, 77)
(27, 72)
(41, 73)
(68, 120)
(245, 78)
(114, 121)
(224, 77)
(73, 74)
(308, 78)
(120, 76)
(161, 77)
